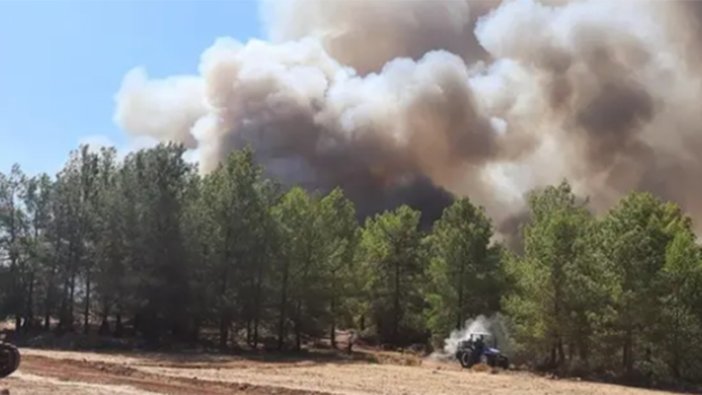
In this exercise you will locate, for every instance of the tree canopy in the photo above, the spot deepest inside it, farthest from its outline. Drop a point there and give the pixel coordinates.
(146, 247)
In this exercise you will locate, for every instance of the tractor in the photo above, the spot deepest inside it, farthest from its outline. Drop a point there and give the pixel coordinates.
(474, 350)
(9, 359)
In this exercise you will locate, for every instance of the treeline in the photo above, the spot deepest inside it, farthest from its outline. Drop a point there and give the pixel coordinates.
(148, 247)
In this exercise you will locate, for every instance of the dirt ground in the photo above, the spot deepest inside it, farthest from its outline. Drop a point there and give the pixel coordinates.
(84, 373)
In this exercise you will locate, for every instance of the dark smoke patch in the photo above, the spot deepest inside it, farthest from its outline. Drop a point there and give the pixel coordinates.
(612, 119)
(560, 92)
(617, 109)
(296, 151)
(447, 132)
(511, 230)
(418, 193)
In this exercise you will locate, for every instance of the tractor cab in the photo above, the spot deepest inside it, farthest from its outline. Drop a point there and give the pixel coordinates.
(476, 339)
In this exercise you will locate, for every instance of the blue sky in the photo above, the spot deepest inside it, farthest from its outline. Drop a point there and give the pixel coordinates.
(61, 63)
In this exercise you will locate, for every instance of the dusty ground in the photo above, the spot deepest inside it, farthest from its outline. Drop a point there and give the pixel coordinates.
(78, 373)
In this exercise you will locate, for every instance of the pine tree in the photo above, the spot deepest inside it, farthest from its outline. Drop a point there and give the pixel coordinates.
(464, 268)
(339, 239)
(541, 303)
(392, 250)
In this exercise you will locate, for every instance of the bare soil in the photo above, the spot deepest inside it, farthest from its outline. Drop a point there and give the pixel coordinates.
(83, 373)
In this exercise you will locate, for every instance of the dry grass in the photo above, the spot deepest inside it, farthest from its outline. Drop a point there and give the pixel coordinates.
(387, 373)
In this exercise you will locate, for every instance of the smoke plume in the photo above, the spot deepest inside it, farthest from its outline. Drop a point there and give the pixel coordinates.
(418, 101)
(494, 325)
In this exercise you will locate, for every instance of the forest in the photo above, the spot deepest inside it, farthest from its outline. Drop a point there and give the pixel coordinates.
(147, 247)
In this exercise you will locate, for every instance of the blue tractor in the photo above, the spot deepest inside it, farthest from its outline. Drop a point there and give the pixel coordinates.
(474, 350)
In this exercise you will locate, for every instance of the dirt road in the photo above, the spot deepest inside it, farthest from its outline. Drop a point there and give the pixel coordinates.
(77, 373)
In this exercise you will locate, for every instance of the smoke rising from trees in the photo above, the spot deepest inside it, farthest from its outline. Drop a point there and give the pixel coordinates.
(414, 101)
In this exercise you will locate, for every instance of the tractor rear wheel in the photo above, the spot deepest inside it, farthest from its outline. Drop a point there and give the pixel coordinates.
(9, 359)
(503, 362)
(466, 360)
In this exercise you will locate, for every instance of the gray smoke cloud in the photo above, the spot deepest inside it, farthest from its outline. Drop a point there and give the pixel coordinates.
(366, 34)
(418, 101)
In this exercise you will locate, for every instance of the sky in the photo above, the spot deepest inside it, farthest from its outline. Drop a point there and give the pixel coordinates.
(62, 62)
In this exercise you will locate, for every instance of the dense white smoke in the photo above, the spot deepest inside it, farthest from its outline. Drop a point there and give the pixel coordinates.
(494, 325)
(410, 101)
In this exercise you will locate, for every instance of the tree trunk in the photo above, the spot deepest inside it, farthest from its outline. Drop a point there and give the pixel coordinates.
(71, 301)
(223, 330)
(195, 332)
(63, 309)
(119, 328)
(86, 311)
(255, 334)
(283, 304)
(561, 354)
(298, 342)
(14, 271)
(47, 320)
(552, 363)
(29, 318)
(249, 331)
(332, 329)
(50, 290)
(67, 317)
(137, 324)
(676, 356)
(676, 368)
(332, 308)
(223, 314)
(396, 305)
(104, 325)
(571, 351)
(459, 306)
(257, 307)
(558, 354)
(584, 351)
(627, 357)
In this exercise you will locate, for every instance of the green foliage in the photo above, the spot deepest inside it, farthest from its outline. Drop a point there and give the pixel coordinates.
(464, 268)
(339, 239)
(300, 283)
(145, 246)
(550, 281)
(235, 214)
(645, 241)
(679, 327)
(159, 268)
(317, 238)
(617, 294)
(394, 257)
(12, 228)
